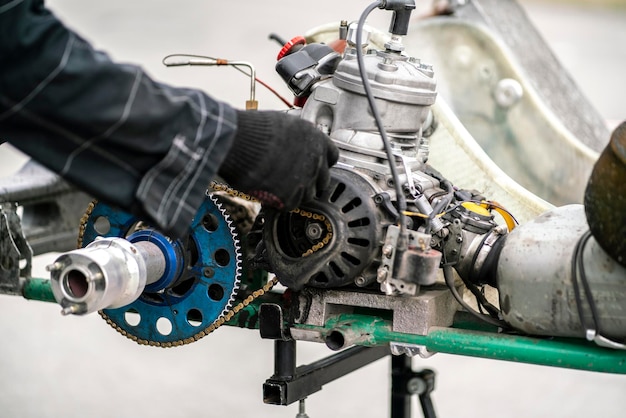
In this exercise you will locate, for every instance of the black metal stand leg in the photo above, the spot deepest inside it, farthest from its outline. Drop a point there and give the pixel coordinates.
(406, 383)
(428, 377)
(400, 397)
(291, 384)
(284, 359)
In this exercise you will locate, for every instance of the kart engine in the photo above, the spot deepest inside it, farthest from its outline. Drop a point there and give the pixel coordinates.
(360, 211)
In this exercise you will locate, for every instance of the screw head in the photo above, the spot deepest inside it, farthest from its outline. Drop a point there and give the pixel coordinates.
(416, 386)
(381, 274)
(314, 231)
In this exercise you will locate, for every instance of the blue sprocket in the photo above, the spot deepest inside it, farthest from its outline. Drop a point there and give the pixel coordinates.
(203, 273)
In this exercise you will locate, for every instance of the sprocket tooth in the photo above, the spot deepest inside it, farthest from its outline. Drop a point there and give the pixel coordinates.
(237, 254)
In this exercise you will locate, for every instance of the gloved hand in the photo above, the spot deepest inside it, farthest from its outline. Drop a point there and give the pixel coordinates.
(280, 159)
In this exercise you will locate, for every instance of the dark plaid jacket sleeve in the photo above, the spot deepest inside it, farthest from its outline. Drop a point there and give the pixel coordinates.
(106, 127)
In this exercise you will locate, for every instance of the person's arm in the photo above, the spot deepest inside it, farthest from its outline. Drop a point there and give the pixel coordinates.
(106, 127)
(144, 146)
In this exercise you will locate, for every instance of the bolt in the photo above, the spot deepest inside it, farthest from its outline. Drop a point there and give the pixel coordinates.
(208, 272)
(69, 310)
(455, 251)
(360, 281)
(381, 275)
(416, 386)
(508, 92)
(314, 231)
(301, 410)
(388, 250)
(459, 239)
(56, 266)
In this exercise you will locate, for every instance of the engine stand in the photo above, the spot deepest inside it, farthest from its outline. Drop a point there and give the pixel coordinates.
(291, 384)
(405, 383)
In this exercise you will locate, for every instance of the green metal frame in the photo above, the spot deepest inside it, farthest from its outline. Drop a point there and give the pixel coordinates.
(465, 337)
(38, 289)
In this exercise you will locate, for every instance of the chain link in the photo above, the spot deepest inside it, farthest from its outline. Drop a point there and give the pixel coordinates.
(83, 223)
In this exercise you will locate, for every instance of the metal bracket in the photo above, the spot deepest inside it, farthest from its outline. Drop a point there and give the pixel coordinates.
(388, 284)
(13, 248)
(433, 306)
(289, 384)
(51, 207)
(410, 350)
(308, 379)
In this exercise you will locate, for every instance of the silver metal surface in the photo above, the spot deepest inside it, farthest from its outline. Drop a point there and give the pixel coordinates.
(453, 149)
(510, 110)
(389, 284)
(108, 273)
(404, 88)
(13, 249)
(535, 278)
(511, 26)
(410, 350)
(51, 208)
(411, 314)
(524, 110)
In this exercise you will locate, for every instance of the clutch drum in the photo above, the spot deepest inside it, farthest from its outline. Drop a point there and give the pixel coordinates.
(328, 242)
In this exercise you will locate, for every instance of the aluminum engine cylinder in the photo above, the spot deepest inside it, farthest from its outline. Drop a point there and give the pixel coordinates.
(404, 90)
(108, 273)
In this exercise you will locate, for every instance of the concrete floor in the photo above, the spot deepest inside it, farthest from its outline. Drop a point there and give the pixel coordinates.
(52, 366)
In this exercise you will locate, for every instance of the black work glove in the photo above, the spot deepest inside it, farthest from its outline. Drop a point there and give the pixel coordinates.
(280, 159)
